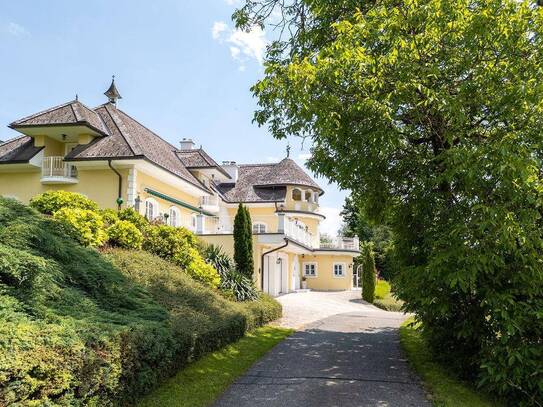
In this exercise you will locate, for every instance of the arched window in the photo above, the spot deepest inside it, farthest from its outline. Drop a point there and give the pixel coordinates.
(316, 197)
(259, 227)
(296, 194)
(193, 222)
(151, 209)
(175, 217)
(308, 195)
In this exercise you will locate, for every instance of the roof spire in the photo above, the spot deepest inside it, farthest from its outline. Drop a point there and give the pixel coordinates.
(112, 93)
(288, 150)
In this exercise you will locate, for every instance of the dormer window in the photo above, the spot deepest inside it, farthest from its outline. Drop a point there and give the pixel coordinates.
(296, 194)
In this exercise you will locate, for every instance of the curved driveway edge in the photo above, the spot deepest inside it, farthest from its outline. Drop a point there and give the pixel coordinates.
(348, 358)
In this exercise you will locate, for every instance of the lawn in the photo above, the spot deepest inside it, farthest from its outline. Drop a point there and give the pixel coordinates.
(200, 383)
(384, 298)
(446, 390)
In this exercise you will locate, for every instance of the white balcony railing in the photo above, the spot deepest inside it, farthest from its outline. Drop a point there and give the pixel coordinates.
(211, 200)
(298, 231)
(55, 170)
(342, 243)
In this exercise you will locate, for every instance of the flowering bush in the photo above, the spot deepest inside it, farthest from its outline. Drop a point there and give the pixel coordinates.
(124, 234)
(51, 201)
(84, 225)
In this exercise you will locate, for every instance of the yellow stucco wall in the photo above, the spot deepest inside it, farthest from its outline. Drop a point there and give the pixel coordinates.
(99, 185)
(325, 279)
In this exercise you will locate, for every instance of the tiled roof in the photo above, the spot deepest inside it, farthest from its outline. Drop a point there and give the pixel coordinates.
(198, 158)
(71, 113)
(18, 150)
(265, 182)
(129, 138)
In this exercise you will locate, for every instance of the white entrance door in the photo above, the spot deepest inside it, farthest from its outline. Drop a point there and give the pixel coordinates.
(275, 274)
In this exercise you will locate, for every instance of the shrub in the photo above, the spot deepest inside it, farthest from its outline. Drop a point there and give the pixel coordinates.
(81, 328)
(133, 217)
(243, 254)
(124, 234)
(51, 201)
(368, 274)
(241, 287)
(179, 246)
(84, 225)
(110, 216)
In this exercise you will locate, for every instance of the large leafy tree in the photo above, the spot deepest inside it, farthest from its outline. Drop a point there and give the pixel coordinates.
(432, 111)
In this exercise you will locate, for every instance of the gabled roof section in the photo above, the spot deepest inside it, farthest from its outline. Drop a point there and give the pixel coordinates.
(18, 150)
(266, 182)
(198, 158)
(130, 139)
(68, 114)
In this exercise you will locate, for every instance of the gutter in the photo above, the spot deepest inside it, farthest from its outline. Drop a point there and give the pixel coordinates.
(119, 193)
(177, 202)
(262, 261)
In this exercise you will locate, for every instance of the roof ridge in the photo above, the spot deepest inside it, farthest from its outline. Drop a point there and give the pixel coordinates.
(118, 128)
(77, 119)
(11, 140)
(41, 113)
(258, 165)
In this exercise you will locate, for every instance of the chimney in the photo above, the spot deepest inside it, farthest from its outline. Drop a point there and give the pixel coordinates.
(232, 169)
(186, 144)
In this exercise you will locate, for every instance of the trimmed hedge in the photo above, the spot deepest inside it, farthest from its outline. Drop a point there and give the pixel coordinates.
(84, 225)
(124, 234)
(78, 328)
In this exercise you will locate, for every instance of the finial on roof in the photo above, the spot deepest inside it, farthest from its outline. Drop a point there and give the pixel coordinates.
(112, 93)
(288, 150)
(76, 97)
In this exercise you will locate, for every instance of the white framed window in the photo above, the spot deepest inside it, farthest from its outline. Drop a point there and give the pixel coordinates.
(151, 209)
(259, 227)
(296, 194)
(339, 270)
(174, 216)
(307, 196)
(310, 269)
(193, 222)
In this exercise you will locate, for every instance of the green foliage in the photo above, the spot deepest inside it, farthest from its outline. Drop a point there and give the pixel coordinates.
(199, 385)
(133, 217)
(78, 328)
(431, 111)
(84, 225)
(241, 287)
(51, 201)
(243, 242)
(369, 277)
(110, 216)
(355, 222)
(178, 245)
(124, 234)
(446, 389)
(384, 298)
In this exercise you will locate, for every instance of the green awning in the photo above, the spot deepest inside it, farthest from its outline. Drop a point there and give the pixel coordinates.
(176, 201)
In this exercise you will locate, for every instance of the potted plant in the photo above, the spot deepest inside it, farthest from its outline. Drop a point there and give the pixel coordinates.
(304, 282)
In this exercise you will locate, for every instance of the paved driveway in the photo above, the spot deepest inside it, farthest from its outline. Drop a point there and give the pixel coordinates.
(345, 353)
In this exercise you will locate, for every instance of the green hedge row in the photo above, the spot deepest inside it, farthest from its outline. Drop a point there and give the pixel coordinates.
(80, 328)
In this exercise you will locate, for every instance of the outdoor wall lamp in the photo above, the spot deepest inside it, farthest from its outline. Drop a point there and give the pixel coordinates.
(279, 260)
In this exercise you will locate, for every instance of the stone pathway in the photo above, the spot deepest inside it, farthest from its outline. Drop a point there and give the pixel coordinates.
(345, 353)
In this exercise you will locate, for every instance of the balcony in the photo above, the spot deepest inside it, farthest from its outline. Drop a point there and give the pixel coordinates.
(210, 203)
(341, 243)
(55, 171)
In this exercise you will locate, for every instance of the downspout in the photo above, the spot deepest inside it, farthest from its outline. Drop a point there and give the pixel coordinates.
(119, 193)
(262, 261)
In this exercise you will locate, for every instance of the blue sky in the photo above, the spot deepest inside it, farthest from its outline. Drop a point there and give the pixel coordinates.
(181, 68)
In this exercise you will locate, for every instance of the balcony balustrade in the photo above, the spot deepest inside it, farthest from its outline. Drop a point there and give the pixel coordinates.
(55, 171)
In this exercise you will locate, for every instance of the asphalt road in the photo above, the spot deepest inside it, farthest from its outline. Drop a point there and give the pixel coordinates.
(345, 359)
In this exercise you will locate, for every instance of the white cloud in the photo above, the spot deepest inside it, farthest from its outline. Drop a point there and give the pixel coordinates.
(233, 2)
(16, 30)
(304, 156)
(333, 220)
(272, 159)
(244, 45)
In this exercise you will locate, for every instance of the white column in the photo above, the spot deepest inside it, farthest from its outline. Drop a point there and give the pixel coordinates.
(200, 224)
(131, 192)
(281, 222)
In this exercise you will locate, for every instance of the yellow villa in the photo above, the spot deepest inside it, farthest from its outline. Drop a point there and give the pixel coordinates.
(110, 157)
